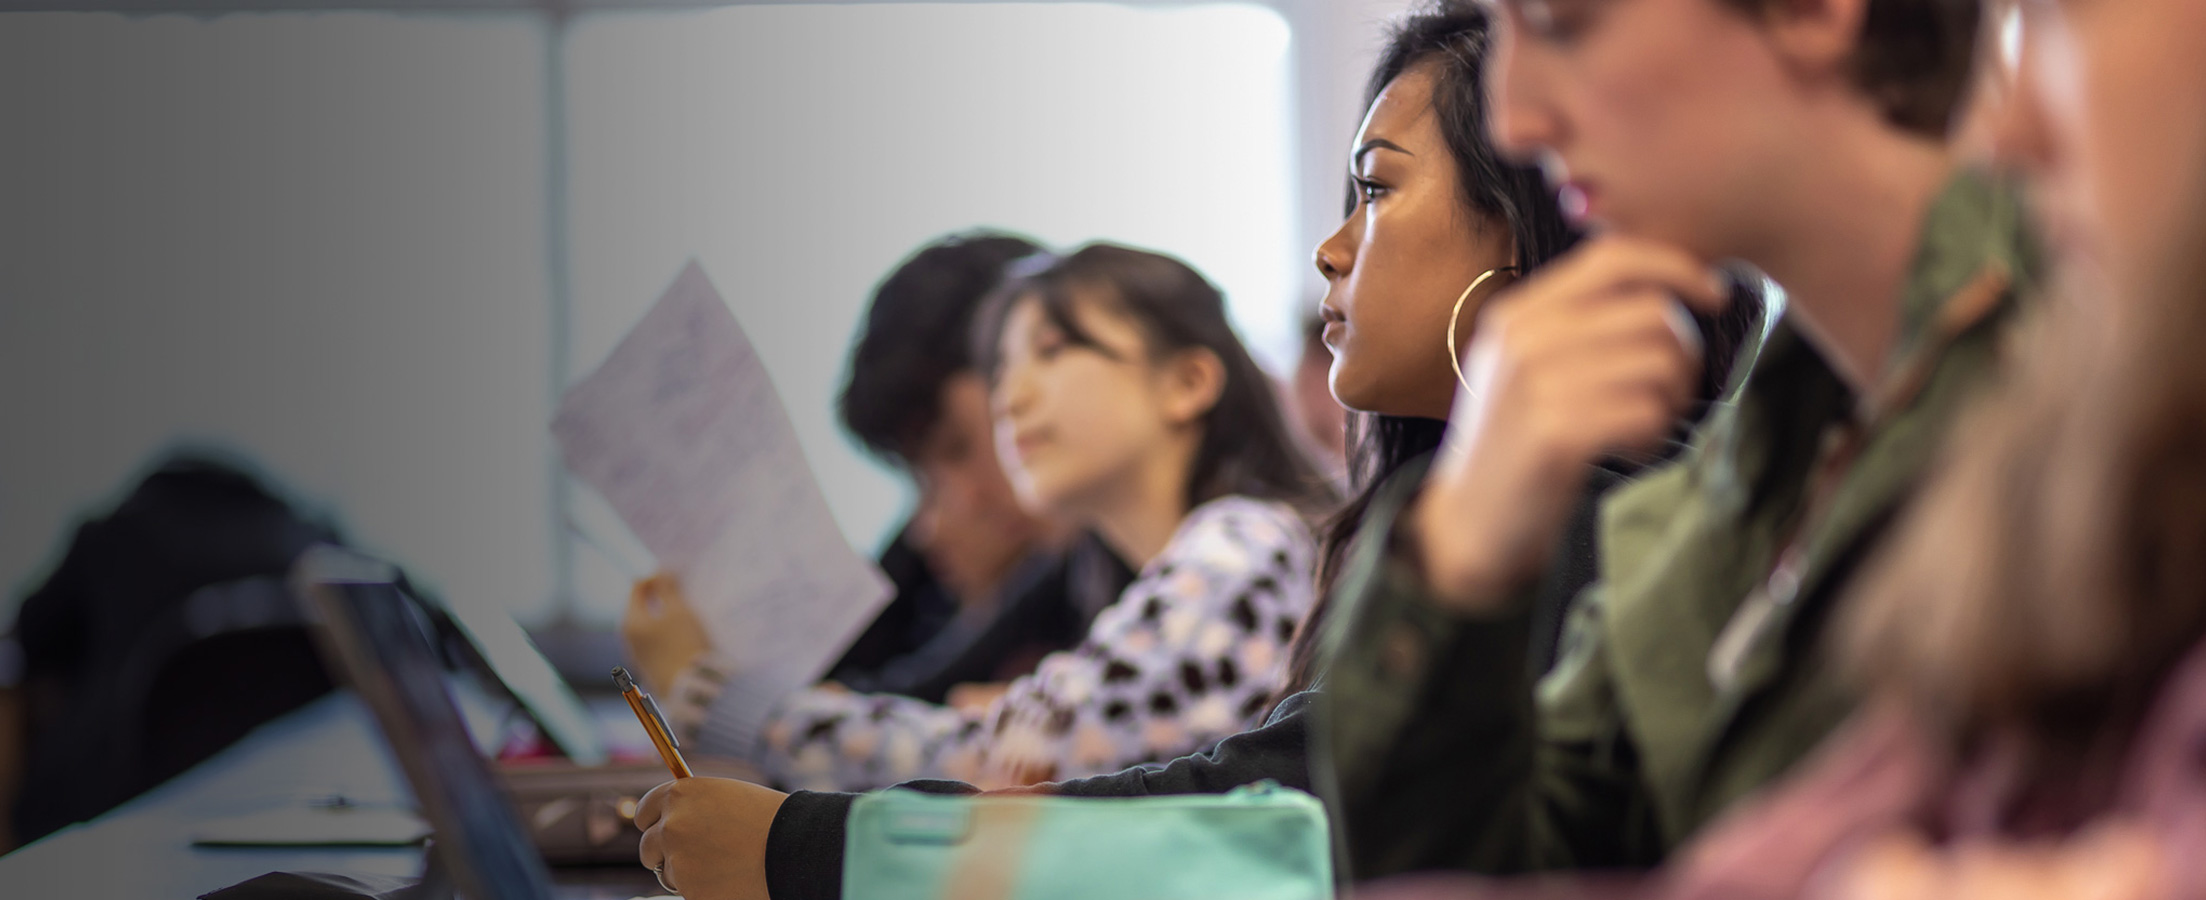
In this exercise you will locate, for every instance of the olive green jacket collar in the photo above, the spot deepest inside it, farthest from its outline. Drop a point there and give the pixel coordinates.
(1686, 549)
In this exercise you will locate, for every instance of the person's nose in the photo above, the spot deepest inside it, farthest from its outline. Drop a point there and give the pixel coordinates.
(1519, 118)
(926, 521)
(2014, 119)
(1336, 255)
(1012, 396)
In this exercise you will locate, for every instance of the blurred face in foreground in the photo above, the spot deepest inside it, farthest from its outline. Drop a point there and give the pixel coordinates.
(2105, 112)
(1665, 119)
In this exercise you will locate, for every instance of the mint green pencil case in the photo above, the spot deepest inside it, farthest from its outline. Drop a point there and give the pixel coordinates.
(1258, 842)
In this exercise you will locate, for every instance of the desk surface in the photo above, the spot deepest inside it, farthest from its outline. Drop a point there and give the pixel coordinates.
(143, 848)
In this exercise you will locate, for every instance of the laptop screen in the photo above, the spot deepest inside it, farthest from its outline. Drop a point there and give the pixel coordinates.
(377, 640)
(530, 678)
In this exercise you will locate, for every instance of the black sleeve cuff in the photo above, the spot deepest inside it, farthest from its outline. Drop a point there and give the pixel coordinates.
(804, 848)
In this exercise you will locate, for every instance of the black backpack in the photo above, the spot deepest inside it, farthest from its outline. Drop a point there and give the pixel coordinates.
(165, 633)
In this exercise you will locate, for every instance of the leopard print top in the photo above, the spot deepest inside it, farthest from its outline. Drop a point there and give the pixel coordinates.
(1192, 652)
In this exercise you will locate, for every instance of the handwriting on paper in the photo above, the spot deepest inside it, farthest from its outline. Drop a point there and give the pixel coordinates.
(682, 433)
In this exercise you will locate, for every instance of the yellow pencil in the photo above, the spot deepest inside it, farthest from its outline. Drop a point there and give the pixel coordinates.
(647, 712)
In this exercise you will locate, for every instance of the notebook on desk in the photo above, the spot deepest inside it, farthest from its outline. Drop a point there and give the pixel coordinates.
(380, 643)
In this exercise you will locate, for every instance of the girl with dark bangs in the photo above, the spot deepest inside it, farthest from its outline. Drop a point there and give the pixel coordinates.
(1124, 404)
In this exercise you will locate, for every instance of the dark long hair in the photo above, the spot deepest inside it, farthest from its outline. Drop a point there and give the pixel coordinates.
(1452, 36)
(1247, 448)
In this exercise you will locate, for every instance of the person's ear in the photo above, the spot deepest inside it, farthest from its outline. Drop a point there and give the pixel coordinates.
(1192, 380)
(1817, 37)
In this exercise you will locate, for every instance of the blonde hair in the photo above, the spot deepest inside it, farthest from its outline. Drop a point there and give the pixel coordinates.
(2055, 570)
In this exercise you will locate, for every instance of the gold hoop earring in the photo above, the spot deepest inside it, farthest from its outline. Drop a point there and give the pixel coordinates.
(1455, 352)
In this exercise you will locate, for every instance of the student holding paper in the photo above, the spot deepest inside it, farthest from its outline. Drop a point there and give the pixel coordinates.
(984, 587)
(1130, 409)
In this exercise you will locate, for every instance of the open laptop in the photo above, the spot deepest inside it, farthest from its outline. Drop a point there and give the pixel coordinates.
(378, 640)
(523, 672)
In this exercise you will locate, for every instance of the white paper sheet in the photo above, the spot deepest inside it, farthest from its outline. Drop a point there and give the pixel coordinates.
(681, 431)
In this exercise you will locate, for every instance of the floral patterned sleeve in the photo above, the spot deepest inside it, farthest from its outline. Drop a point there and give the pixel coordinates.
(1191, 653)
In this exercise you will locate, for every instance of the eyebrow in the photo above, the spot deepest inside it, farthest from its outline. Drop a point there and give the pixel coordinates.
(1375, 144)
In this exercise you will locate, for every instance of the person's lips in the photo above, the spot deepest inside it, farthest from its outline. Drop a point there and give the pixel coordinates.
(1336, 325)
(1575, 195)
(1579, 201)
(1026, 440)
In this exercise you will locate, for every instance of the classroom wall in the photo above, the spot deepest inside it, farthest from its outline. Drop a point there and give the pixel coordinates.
(325, 240)
(315, 239)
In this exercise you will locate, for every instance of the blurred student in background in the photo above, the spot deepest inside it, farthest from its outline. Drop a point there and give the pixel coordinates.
(1020, 585)
(984, 588)
(1806, 139)
(1132, 410)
